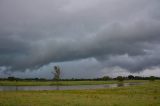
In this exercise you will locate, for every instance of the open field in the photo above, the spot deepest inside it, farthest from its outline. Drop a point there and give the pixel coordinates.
(142, 95)
(48, 83)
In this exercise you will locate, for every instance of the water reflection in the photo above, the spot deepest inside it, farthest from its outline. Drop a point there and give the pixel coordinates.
(77, 87)
(120, 84)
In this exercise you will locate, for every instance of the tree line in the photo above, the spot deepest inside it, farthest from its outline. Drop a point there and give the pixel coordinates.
(57, 77)
(105, 78)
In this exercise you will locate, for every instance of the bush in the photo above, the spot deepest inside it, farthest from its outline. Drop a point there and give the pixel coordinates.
(151, 78)
(120, 78)
(106, 78)
(131, 77)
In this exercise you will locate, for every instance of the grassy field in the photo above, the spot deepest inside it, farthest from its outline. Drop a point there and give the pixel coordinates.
(142, 95)
(48, 83)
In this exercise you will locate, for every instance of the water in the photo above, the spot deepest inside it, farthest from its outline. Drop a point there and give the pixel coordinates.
(76, 87)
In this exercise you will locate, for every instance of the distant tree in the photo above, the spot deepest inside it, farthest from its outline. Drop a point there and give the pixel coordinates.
(57, 73)
(36, 79)
(12, 78)
(152, 78)
(131, 77)
(138, 78)
(120, 78)
(106, 78)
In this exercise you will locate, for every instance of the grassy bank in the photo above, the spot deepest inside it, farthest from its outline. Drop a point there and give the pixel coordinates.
(142, 95)
(48, 83)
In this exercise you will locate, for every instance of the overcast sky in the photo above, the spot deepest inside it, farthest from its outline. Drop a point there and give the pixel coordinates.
(86, 38)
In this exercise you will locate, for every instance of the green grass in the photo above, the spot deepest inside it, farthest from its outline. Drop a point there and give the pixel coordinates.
(48, 83)
(141, 95)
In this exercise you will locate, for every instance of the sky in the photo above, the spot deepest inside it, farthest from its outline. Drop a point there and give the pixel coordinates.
(86, 38)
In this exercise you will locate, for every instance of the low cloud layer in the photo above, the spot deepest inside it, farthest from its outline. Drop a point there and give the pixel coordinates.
(115, 33)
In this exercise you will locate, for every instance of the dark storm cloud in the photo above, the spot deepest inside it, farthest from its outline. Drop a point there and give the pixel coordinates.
(134, 63)
(115, 32)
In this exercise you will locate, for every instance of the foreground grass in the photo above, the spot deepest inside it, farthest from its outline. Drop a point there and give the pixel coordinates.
(143, 95)
(49, 83)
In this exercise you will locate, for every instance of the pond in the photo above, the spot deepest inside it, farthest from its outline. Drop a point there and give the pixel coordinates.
(74, 87)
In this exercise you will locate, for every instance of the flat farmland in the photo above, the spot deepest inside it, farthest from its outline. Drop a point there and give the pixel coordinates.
(147, 94)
